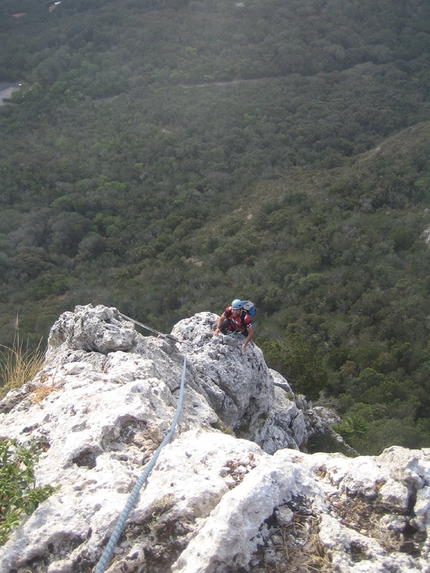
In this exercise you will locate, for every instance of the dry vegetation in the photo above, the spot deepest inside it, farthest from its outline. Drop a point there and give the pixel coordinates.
(366, 517)
(292, 548)
(19, 364)
(39, 393)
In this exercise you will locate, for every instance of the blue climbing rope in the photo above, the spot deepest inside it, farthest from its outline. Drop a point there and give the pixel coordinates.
(119, 526)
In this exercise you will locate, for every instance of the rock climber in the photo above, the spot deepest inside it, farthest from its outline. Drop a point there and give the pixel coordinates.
(236, 319)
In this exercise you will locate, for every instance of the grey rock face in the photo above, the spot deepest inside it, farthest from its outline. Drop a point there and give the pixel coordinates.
(215, 502)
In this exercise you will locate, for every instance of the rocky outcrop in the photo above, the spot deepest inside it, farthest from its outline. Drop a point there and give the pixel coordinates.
(232, 492)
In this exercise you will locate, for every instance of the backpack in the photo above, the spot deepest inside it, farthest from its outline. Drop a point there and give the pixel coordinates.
(249, 307)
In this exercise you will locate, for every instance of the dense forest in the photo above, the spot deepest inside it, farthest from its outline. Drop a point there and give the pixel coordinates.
(164, 157)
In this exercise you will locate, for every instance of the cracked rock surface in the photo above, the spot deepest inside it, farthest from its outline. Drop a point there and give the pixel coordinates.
(231, 492)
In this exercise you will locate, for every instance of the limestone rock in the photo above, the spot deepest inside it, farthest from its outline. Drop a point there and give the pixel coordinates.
(241, 499)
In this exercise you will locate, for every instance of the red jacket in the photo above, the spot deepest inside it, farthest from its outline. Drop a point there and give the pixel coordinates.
(243, 320)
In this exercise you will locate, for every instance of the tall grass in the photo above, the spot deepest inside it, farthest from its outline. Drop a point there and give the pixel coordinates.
(19, 364)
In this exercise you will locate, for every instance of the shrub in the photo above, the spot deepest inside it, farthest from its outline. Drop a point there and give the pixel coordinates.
(18, 493)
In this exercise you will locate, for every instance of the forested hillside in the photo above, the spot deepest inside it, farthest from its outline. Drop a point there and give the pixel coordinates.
(165, 157)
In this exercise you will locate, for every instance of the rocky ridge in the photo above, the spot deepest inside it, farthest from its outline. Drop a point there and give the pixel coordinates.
(232, 492)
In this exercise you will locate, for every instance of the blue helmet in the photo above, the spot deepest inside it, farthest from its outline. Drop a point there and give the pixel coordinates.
(237, 303)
